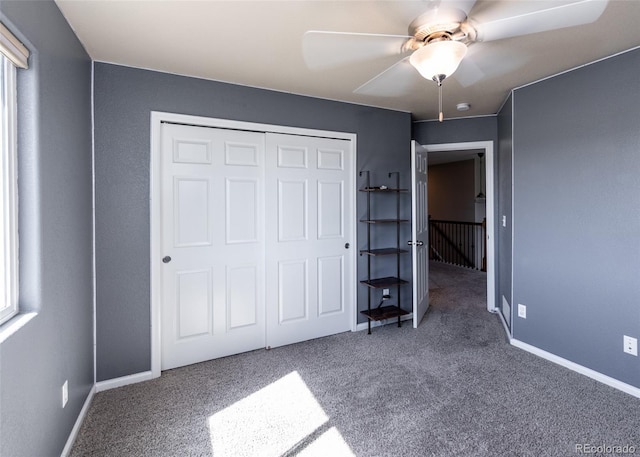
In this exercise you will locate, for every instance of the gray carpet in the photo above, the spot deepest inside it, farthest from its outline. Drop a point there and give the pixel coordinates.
(453, 387)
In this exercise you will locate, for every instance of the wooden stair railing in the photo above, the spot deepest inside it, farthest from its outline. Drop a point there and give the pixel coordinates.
(457, 243)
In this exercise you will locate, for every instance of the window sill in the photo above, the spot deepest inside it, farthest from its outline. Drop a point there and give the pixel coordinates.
(14, 324)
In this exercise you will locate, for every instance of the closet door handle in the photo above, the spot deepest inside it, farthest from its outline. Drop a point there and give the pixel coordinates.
(346, 245)
(166, 259)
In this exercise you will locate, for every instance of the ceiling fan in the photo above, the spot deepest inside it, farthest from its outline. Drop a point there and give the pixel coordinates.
(438, 39)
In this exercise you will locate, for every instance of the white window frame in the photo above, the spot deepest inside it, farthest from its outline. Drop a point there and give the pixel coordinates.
(8, 192)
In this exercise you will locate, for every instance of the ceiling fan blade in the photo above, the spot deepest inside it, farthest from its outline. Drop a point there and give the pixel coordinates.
(555, 15)
(483, 63)
(330, 49)
(464, 5)
(399, 79)
(468, 73)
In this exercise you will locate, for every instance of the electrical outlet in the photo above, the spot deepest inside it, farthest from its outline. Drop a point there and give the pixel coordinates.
(522, 311)
(630, 345)
(65, 393)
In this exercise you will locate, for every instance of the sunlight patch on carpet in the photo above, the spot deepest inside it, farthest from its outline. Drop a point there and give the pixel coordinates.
(282, 418)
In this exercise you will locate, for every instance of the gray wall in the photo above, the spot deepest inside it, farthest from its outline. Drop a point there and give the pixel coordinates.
(54, 148)
(452, 191)
(456, 130)
(504, 194)
(576, 263)
(124, 98)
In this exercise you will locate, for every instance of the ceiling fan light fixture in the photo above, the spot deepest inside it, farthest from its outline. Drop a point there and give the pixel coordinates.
(438, 58)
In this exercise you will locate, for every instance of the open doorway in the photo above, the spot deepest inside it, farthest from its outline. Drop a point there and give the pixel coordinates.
(482, 155)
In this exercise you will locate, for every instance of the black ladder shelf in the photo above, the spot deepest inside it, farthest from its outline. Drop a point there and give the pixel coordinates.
(389, 311)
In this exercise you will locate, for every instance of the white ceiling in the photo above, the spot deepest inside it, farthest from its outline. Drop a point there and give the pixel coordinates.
(258, 43)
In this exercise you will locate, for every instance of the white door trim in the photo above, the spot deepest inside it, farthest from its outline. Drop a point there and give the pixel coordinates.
(157, 118)
(490, 193)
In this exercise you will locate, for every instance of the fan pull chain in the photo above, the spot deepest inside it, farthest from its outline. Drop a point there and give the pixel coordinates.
(440, 116)
(438, 79)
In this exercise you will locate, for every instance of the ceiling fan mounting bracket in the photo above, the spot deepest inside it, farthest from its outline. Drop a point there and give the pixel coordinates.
(411, 45)
(469, 31)
(415, 43)
(424, 30)
(421, 31)
(438, 36)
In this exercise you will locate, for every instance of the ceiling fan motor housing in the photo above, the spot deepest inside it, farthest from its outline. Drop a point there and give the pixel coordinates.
(440, 25)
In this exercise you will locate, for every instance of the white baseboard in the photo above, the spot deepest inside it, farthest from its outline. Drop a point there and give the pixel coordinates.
(612, 382)
(364, 326)
(124, 381)
(80, 419)
(100, 387)
(507, 331)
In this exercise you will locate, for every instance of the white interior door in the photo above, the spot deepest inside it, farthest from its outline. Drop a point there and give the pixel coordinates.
(419, 232)
(309, 262)
(213, 243)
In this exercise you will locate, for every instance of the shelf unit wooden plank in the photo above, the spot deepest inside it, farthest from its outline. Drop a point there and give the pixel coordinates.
(383, 283)
(384, 312)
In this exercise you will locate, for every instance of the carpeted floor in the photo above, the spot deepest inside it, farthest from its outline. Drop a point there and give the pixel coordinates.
(452, 387)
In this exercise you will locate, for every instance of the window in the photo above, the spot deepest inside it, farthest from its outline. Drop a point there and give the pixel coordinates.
(12, 54)
(8, 194)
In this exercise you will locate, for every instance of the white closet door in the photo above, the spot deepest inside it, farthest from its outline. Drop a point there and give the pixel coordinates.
(309, 216)
(213, 223)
